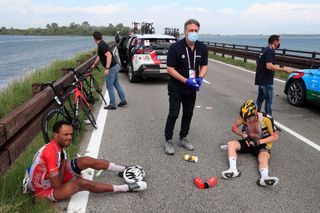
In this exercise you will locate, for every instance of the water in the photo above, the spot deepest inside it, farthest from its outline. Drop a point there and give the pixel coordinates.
(22, 54)
(303, 43)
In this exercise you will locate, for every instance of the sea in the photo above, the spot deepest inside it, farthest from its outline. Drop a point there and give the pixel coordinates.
(20, 55)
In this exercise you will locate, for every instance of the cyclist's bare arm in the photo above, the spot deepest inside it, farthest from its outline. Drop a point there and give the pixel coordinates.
(270, 139)
(109, 59)
(235, 127)
(56, 179)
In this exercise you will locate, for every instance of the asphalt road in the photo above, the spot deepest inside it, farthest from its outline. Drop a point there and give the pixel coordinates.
(135, 135)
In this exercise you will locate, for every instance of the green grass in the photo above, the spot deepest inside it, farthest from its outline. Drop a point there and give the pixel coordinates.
(11, 197)
(245, 65)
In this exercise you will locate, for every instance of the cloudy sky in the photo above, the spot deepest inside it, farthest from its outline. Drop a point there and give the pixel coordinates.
(215, 16)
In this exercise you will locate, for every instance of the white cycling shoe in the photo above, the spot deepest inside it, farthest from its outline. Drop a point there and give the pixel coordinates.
(231, 173)
(269, 181)
(137, 186)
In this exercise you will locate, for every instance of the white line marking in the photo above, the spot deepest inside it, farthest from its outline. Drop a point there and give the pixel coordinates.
(207, 82)
(300, 137)
(291, 132)
(240, 68)
(78, 202)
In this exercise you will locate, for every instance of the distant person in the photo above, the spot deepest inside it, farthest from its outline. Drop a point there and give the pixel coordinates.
(260, 133)
(187, 65)
(117, 37)
(54, 177)
(111, 71)
(265, 73)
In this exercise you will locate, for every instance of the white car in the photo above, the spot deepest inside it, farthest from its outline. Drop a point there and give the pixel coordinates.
(144, 55)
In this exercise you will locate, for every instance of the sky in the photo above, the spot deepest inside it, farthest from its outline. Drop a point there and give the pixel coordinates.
(225, 17)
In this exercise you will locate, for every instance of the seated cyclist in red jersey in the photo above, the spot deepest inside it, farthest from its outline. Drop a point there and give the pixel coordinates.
(54, 177)
(260, 132)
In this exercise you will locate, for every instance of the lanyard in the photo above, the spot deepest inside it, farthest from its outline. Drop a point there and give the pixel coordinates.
(194, 58)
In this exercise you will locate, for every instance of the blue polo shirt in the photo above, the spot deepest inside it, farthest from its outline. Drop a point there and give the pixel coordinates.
(178, 59)
(265, 76)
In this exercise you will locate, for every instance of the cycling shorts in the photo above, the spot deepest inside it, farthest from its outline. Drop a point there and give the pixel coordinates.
(244, 148)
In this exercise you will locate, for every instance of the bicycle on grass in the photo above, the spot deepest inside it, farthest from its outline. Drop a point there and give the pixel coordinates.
(69, 112)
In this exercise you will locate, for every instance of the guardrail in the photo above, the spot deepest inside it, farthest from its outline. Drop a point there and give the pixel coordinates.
(18, 128)
(284, 57)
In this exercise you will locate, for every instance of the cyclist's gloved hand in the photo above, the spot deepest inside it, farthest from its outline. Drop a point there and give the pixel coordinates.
(192, 83)
(199, 81)
(256, 142)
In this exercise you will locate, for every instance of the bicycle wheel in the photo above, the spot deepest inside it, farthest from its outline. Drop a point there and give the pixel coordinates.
(48, 120)
(87, 111)
(98, 89)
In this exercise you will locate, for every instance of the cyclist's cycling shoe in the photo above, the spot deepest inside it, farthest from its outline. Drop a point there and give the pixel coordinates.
(231, 173)
(185, 143)
(137, 186)
(269, 181)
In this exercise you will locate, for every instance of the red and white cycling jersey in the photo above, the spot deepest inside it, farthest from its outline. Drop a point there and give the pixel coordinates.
(46, 162)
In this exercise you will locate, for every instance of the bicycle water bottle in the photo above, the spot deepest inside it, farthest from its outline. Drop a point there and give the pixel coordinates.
(57, 100)
(191, 158)
(192, 75)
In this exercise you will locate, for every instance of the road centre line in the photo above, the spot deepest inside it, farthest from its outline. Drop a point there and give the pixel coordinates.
(78, 202)
(288, 130)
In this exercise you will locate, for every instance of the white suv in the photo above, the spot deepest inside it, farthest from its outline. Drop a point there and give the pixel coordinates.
(144, 55)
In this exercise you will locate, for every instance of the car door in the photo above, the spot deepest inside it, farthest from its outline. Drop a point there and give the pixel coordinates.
(315, 85)
(122, 50)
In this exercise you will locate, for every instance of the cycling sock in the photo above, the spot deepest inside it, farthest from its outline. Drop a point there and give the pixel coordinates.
(264, 172)
(121, 188)
(232, 163)
(114, 167)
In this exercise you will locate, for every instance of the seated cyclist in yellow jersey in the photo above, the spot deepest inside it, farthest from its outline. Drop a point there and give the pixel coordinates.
(257, 138)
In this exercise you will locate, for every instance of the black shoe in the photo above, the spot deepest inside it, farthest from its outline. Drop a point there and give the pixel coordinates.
(122, 103)
(110, 107)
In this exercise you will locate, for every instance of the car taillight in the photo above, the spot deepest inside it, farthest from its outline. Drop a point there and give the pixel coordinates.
(299, 75)
(140, 51)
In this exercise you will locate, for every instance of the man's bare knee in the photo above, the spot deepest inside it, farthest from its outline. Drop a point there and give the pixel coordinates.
(233, 145)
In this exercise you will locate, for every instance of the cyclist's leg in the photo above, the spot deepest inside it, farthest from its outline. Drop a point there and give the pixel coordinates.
(80, 184)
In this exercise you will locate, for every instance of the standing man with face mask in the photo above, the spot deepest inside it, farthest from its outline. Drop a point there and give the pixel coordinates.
(265, 73)
(187, 65)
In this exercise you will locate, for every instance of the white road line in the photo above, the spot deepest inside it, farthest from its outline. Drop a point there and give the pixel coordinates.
(300, 137)
(239, 68)
(291, 132)
(207, 82)
(78, 202)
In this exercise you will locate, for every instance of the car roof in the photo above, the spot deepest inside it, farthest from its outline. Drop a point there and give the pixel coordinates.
(161, 36)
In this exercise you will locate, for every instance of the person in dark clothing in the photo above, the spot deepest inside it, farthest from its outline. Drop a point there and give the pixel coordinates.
(117, 37)
(187, 65)
(265, 73)
(111, 71)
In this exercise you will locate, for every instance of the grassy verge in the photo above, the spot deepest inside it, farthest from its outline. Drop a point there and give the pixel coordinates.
(245, 65)
(11, 197)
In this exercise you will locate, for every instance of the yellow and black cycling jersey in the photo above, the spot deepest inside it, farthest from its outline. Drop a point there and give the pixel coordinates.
(266, 126)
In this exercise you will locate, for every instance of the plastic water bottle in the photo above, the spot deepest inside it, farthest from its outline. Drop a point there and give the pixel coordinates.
(191, 158)
(57, 100)
(224, 147)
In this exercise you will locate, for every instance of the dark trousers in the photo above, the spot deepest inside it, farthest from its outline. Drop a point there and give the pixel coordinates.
(177, 96)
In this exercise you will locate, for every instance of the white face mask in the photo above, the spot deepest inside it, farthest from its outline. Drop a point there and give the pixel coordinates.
(193, 36)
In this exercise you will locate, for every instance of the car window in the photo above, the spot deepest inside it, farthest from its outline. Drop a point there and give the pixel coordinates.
(157, 43)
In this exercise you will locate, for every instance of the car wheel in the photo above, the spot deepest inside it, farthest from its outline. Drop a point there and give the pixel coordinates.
(131, 75)
(296, 94)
